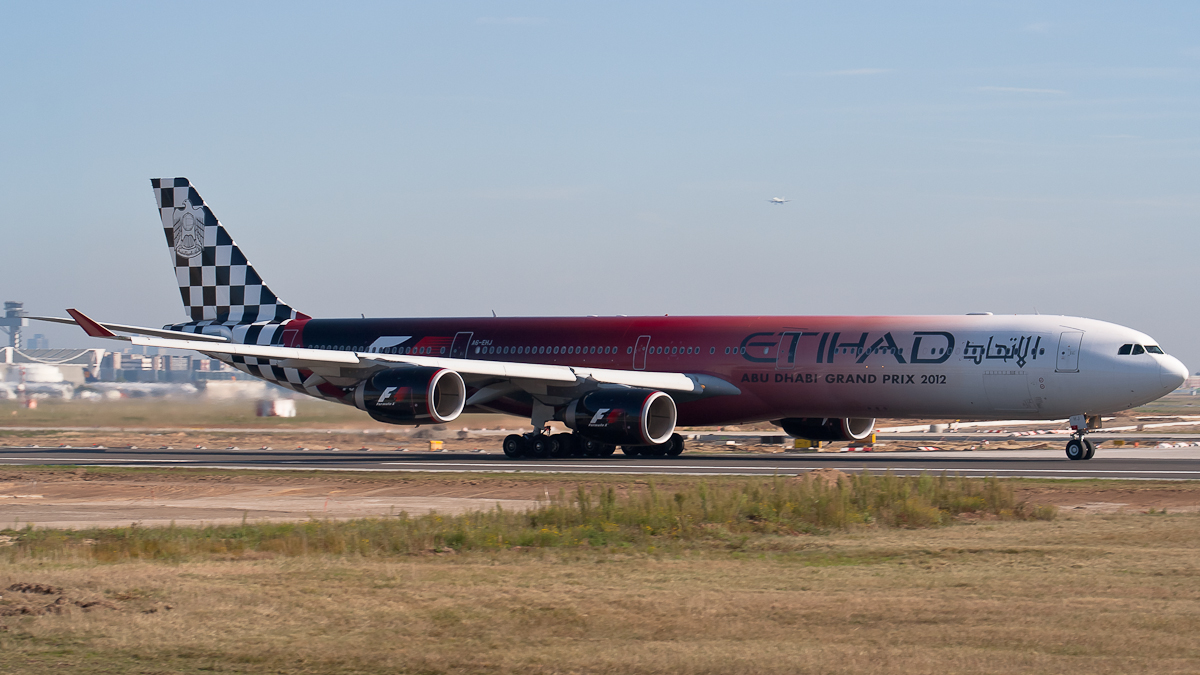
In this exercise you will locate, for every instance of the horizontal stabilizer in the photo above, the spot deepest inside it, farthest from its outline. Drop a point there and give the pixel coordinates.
(122, 328)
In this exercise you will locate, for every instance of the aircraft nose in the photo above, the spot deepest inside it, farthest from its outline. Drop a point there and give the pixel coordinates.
(1172, 373)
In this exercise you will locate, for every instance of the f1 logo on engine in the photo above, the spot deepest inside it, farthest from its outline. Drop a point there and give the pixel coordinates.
(596, 418)
(383, 398)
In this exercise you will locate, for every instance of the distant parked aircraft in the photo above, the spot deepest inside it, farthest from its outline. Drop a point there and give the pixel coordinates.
(778, 200)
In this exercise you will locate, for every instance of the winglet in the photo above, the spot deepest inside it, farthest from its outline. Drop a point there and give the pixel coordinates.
(90, 327)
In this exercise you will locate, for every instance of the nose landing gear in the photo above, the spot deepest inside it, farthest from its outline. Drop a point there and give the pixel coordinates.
(1079, 447)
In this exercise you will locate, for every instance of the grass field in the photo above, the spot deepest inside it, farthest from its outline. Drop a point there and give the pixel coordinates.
(757, 585)
(1104, 594)
(722, 515)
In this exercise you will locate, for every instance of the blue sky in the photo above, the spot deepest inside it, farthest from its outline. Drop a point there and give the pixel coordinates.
(598, 158)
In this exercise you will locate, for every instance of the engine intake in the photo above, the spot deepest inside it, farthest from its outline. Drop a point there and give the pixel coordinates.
(828, 428)
(623, 416)
(412, 395)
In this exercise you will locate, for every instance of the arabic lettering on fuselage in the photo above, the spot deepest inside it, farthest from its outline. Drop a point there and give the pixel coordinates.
(926, 348)
(1020, 349)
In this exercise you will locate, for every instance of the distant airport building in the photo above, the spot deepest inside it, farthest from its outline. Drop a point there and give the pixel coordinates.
(133, 367)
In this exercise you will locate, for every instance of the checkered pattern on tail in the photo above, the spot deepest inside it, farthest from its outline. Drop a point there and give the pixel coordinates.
(217, 283)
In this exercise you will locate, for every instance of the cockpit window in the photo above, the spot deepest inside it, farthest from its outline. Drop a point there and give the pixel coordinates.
(1124, 350)
(1138, 349)
(1154, 349)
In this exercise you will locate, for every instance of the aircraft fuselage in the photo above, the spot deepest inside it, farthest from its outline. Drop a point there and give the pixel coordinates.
(971, 366)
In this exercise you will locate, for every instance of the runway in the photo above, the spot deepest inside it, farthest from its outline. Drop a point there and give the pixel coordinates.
(1115, 463)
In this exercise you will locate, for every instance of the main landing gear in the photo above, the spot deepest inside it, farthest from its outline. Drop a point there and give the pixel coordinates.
(672, 448)
(544, 446)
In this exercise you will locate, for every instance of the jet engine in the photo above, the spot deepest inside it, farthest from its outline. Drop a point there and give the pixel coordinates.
(416, 395)
(828, 428)
(623, 416)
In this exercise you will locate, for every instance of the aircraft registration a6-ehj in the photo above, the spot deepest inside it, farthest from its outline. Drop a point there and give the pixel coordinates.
(628, 381)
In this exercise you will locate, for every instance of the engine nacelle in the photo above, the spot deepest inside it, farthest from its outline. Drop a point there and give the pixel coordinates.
(412, 395)
(623, 416)
(828, 428)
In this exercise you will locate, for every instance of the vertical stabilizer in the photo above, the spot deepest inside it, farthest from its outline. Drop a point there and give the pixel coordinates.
(218, 284)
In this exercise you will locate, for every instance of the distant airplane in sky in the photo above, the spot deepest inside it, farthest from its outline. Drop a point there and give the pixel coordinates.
(778, 200)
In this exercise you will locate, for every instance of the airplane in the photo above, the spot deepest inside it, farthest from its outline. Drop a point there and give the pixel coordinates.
(630, 381)
(778, 200)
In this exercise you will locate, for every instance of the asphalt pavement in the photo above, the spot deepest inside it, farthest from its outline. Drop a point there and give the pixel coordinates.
(1124, 463)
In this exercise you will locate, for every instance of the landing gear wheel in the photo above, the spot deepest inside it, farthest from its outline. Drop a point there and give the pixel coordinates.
(632, 450)
(654, 450)
(514, 446)
(566, 445)
(1076, 449)
(1091, 449)
(607, 451)
(674, 446)
(544, 446)
(592, 448)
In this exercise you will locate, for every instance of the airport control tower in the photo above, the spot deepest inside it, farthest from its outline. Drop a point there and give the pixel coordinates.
(14, 320)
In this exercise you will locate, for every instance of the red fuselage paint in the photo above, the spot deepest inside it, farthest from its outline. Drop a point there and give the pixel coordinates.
(796, 366)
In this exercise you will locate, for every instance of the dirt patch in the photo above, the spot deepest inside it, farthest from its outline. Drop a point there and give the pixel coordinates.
(20, 604)
(83, 499)
(1177, 497)
(40, 589)
(828, 477)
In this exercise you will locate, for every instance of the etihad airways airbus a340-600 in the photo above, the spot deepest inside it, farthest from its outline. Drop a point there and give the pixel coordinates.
(628, 381)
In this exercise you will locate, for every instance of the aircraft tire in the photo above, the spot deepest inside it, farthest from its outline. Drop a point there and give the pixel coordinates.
(514, 446)
(592, 448)
(544, 446)
(608, 450)
(1075, 449)
(632, 450)
(674, 446)
(659, 450)
(566, 446)
(1090, 447)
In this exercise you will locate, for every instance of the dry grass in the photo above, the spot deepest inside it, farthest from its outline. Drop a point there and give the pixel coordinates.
(1103, 594)
(722, 515)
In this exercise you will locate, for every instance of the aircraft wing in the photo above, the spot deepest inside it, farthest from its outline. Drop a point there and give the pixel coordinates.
(299, 357)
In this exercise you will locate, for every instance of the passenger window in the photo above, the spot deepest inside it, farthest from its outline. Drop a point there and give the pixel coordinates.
(1138, 349)
(1154, 349)
(1124, 350)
